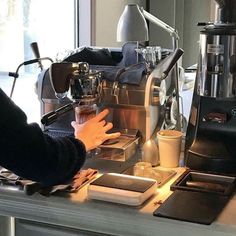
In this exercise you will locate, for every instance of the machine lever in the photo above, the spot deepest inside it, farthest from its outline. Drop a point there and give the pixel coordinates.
(35, 49)
(173, 60)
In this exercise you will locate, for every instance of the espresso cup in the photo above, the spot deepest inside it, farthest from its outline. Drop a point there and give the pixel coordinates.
(85, 112)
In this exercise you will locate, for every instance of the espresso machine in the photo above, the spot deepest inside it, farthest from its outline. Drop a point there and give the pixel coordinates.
(135, 96)
(211, 133)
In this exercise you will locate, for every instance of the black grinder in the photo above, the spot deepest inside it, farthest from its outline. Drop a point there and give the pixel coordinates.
(211, 133)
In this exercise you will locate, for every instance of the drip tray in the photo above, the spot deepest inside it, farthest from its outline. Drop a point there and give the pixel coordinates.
(198, 197)
(205, 182)
(120, 149)
(161, 176)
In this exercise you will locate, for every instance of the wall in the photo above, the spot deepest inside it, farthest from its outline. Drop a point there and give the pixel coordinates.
(180, 14)
(105, 18)
(184, 16)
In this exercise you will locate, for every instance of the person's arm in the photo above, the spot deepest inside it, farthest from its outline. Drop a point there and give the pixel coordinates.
(29, 153)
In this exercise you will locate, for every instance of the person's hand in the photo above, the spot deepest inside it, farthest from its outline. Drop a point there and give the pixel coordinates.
(93, 132)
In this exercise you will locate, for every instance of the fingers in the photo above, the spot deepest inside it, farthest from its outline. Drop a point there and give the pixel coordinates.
(101, 115)
(73, 124)
(102, 123)
(108, 126)
(113, 135)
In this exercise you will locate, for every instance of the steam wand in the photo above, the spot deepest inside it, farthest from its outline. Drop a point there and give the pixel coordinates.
(25, 63)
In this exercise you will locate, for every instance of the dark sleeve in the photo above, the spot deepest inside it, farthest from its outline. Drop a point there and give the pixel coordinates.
(29, 153)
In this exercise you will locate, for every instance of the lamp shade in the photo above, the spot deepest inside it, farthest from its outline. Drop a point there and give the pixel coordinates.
(132, 25)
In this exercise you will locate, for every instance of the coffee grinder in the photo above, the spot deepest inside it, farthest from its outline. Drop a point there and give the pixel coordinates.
(211, 133)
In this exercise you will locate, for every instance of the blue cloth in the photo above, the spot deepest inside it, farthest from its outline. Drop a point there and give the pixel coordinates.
(124, 75)
(130, 55)
(127, 71)
(91, 56)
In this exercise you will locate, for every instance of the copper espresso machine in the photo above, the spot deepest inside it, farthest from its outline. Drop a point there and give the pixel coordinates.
(211, 133)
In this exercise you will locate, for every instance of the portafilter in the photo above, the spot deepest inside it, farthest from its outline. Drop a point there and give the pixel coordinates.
(76, 81)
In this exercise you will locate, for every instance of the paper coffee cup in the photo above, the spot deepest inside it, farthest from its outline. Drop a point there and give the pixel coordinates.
(169, 142)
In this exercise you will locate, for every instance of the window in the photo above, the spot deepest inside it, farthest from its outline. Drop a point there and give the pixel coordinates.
(50, 23)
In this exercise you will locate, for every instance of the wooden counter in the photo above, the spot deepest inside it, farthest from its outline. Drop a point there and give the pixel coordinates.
(76, 215)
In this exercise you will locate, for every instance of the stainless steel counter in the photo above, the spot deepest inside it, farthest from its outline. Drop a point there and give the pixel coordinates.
(74, 214)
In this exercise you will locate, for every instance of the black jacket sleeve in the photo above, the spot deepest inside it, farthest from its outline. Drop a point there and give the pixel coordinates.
(30, 153)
